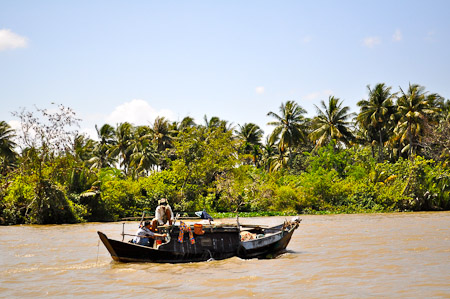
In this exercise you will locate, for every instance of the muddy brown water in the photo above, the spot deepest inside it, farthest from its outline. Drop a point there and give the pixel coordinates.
(405, 255)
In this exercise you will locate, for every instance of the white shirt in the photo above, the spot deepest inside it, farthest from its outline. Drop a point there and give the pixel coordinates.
(143, 231)
(161, 216)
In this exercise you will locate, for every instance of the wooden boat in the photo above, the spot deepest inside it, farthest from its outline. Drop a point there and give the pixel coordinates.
(216, 241)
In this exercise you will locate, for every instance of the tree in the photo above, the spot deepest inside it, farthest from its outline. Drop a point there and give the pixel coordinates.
(46, 141)
(269, 153)
(331, 123)
(163, 138)
(102, 157)
(415, 108)
(290, 126)
(187, 122)
(201, 157)
(250, 138)
(216, 123)
(122, 147)
(436, 142)
(49, 133)
(374, 115)
(161, 134)
(8, 154)
(144, 154)
(81, 177)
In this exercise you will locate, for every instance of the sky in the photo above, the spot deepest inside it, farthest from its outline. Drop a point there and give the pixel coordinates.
(116, 61)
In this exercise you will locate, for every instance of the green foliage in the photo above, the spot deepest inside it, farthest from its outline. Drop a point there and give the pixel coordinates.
(51, 205)
(16, 201)
(286, 199)
(120, 199)
(33, 199)
(158, 185)
(63, 177)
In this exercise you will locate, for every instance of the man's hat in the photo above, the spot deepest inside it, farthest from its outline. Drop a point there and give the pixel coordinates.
(162, 201)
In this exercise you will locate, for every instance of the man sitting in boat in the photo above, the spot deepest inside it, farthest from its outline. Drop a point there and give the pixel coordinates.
(163, 214)
(144, 235)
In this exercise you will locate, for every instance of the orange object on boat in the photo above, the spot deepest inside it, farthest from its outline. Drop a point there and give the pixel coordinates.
(198, 229)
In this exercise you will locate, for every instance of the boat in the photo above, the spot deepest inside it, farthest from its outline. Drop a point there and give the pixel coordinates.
(209, 241)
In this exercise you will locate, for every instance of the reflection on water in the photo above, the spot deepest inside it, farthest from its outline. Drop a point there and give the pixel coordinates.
(375, 255)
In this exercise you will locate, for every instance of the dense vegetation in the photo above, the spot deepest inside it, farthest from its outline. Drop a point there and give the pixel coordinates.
(392, 156)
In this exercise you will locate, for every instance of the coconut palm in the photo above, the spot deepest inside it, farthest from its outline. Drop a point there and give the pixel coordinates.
(163, 138)
(83, 148)
(216, 123)
(415, 109)
(102, 157)
(140, 135)
(269, 152)
(144, 154)
(374, 115)
(7, 146)
(161, 134)
(81, 176)
(290, 126)
(187, 122)
(331, 123)
(250, 135)
(122, 147)
(279, 161)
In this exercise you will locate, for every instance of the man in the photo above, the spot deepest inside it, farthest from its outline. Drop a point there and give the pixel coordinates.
(144, 235)
(163, 214)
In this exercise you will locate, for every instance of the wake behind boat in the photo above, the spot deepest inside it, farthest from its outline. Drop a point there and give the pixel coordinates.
(205, 240)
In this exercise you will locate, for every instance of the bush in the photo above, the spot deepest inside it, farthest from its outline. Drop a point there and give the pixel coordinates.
(120, 198)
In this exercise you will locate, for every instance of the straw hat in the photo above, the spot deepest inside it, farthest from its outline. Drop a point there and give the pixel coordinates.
(162, 201)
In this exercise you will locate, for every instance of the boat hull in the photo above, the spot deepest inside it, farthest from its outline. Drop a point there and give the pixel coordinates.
(266, 247)
(218, 246)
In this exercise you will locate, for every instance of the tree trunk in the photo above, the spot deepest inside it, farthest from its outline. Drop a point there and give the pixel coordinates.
(410, 141)
(380, 149)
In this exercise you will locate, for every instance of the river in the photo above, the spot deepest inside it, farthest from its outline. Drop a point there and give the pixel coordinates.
(401, 255)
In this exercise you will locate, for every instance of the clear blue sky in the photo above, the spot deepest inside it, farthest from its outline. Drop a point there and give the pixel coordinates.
(116, 61)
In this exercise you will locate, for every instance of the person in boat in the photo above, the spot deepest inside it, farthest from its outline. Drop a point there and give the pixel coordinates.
(145, 236)
(163, 214)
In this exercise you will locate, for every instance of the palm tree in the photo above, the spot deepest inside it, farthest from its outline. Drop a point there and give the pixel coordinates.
(290, 126)
(415, 109)
(375, 114)
(163, 138)
(280, 160)
(83, 150)
(250, 138)
(250, 133)
(216, 123)
(102, 157)
(269, 152)
(331, 123)
(187, 122)
(7, 145)
(144, 154)
(162, 134)
(122, 147)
